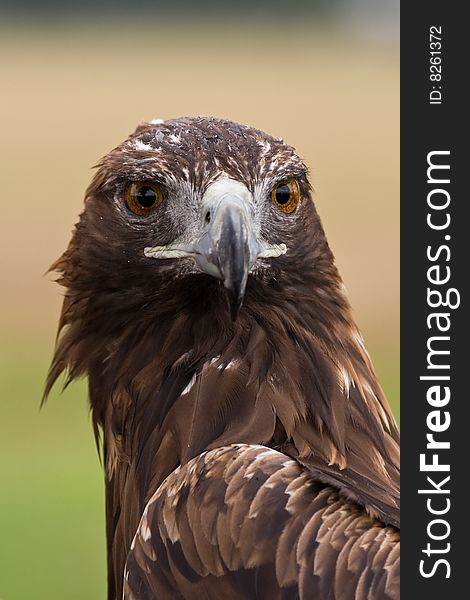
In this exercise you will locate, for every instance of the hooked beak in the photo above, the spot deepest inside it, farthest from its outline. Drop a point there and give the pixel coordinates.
(228, 246)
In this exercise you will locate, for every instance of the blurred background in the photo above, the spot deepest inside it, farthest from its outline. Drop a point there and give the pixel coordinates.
(75, 80)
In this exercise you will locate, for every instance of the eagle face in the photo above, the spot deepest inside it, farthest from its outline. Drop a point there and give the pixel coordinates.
(198, 201)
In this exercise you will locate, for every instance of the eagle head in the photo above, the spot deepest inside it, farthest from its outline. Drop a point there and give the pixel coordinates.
(198, 211)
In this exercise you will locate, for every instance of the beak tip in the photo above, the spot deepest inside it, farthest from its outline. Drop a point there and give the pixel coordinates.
(234, 314)
(235, 300)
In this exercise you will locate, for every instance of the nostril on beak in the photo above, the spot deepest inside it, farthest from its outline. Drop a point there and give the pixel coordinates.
(207, 218)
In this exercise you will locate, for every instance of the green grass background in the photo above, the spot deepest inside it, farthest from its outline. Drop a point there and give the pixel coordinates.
(51, 498)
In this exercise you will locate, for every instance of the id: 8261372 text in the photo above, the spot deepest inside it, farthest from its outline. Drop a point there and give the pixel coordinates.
(435, 64)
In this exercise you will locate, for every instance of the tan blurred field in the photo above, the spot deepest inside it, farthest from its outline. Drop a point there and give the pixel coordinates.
(67, 98)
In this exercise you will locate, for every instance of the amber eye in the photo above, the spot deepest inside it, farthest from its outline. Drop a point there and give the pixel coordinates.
(143, 196)
(285, 195)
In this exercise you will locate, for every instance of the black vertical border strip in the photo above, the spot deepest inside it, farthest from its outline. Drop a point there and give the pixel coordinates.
(426, 128)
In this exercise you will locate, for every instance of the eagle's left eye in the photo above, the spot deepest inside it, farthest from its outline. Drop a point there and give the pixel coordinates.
(285, 194)
(143, 196)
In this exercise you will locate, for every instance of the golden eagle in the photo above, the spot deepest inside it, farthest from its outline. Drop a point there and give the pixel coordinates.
(248, 447)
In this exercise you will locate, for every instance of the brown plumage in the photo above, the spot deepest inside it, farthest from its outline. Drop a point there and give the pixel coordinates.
(246, 438)
(251, 524)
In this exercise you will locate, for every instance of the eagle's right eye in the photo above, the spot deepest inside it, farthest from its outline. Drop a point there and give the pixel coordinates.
(143, 196)
(285, 195)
